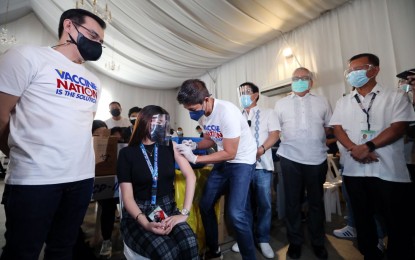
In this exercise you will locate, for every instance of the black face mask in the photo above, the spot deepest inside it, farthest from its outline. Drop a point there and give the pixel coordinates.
(89, 50)
(158, 134)
(115, 112)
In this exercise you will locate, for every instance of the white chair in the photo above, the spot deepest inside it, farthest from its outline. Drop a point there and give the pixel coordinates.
(128, 252)
(331, 189)
(4, 160)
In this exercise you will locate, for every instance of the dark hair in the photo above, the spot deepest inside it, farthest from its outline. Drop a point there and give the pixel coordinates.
(198, 127)
(133, 110)
(116, 129)
(253, 87)
(78, 16)
(115, 102)
(98, 124)
(192, 91)
(142, 125)
(373, 59)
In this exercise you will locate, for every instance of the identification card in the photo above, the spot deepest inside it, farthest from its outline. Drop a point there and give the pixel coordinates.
(157, 215)
(366, 136)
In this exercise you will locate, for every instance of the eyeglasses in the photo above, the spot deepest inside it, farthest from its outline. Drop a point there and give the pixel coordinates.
(92, 34)
(301, 78)
(361, 67)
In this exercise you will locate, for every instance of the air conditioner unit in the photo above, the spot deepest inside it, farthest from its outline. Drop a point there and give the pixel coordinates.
(280, 87)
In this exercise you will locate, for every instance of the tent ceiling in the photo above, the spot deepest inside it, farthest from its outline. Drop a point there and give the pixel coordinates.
(160, 43)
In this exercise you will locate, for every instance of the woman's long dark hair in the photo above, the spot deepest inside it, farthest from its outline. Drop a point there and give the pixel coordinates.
(142, 125)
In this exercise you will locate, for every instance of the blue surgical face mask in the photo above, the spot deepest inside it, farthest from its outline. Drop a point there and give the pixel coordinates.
(246, 101)
(300, 85)
(357, 78)
(196, 115)
(406, 87)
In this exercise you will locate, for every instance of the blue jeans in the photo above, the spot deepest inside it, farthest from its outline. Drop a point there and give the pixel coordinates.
(236, 178)
(37, 214)
(261, 193)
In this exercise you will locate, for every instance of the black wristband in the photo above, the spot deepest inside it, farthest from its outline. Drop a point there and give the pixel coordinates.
(371, 146)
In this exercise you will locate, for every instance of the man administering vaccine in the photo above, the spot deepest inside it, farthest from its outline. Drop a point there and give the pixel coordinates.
(234, 163)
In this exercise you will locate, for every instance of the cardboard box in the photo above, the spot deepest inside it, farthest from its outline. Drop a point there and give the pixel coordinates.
(105, 149)
(105, 187)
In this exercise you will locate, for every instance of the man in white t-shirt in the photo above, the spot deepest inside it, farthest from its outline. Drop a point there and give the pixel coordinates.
(116, 119)
(370, 123)
(234, 161)
(303, 122)
(263, 124)
(48, 100)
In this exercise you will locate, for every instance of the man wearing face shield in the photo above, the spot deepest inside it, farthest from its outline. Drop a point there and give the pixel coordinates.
(262, 122)
(234, 163)
(116, 119)
(303, 122)
(45, 129)
(370, 123)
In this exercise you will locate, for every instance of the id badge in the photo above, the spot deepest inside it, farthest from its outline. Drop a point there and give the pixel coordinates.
(366, 136)
(157, 215)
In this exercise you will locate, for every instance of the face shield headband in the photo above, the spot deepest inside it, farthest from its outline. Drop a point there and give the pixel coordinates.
(244, 96)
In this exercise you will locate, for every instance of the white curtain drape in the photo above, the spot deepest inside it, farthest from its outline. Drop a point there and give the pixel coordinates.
(382, 27)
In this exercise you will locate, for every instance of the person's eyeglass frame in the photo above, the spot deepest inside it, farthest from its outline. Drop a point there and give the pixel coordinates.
(302, 78)
(366, 67)
(94, 36)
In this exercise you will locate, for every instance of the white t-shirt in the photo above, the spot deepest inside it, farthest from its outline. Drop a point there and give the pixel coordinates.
(389, 106)
(301, 121)
(267, 122)
(123, 122)
(226, 121)
(50, 128)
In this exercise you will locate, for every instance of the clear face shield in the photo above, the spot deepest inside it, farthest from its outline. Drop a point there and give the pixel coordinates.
(159, 129)
(244, 96)
(403, 85)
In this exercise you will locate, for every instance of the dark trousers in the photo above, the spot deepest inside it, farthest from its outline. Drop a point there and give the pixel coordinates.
(370, 196)
(37, 214)
(296, 177)
(107, 216)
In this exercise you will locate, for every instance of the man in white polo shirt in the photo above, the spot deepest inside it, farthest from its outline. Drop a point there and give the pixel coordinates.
(370, 123)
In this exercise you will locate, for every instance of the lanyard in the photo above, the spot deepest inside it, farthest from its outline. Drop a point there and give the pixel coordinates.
(364, 110)
(154, 171)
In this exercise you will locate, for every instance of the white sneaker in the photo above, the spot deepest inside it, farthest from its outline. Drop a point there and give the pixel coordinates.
(381, 245)
(346, 232)
(266, 250)
(106, 249)
(235, 248)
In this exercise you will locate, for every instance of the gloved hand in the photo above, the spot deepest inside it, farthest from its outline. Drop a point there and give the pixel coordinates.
(190, 143)
(186, 151)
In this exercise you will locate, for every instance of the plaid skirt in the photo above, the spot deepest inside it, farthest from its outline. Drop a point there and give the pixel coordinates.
(181, 243)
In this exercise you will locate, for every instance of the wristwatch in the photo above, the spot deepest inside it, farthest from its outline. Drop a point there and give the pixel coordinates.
(185, 212)
(371, 146)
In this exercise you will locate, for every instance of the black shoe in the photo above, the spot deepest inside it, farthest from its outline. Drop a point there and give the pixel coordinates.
(294, 251)
(320, 252)
(213, 254)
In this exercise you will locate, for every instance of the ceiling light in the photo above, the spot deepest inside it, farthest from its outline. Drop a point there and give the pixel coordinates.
(287, 52)
(92, 5)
